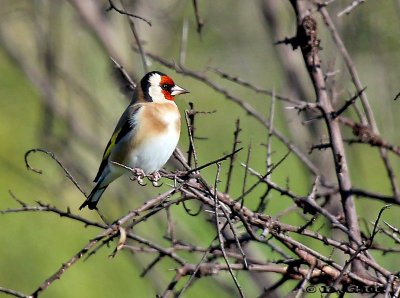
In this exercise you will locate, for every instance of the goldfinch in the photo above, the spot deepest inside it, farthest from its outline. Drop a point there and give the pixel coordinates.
(146, 134)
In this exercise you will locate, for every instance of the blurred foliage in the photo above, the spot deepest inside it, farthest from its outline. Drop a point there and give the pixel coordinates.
(236, 40)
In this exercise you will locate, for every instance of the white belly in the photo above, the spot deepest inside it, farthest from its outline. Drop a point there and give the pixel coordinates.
(152, 155)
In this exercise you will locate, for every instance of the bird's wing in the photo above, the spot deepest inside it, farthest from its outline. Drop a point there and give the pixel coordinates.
(124, 126)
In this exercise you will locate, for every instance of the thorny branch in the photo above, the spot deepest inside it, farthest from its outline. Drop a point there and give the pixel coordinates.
(191, 186)
(363, 97)
(307, 40)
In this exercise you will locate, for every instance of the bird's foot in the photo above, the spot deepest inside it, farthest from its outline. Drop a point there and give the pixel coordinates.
(139, 174)
(154, 178)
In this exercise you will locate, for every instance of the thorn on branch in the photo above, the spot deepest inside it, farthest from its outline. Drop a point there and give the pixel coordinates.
(375, 229)
(308, 223)
(347, 104)
(289, 41)
(212, 162)
(195, 112)
(261, 178)
(308, 204)
(321, 147)
(306, 37)
(151, 265)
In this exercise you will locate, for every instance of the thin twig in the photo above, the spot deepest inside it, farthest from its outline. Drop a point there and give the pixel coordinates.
(269, 137)
(14, 293)
(349, 8)
(113, 7)
(304, 282)
(137, 40)
(347, 104)
(184, 42)
(363, 97)
(221, 239)
(196, 269)
(248, 85)
(245, 173)
(262, 178)
(233, 157)
(41, 207)
(190, 117)
(53, 156)
(213, 162)
(199, 21)
(307, 40)
(131, 84)
(360, 249)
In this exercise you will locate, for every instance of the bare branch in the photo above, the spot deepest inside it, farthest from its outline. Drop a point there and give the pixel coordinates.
(307, 40)
(52, 155)
(13, 293)
(113, 7)
(220, 237)
(363, 97)
(349, 8)
(139, 43)
(232, 159)
(199, 20)
(189, 117)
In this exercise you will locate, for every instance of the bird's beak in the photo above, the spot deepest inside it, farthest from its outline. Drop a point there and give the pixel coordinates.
(176, 90)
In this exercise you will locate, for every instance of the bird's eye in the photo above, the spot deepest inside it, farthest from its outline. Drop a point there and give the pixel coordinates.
(165, 87)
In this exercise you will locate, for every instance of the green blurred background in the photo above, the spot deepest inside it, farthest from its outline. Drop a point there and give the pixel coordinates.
(58, 91)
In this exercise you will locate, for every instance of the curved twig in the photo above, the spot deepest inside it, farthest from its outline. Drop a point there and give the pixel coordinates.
(53, 156)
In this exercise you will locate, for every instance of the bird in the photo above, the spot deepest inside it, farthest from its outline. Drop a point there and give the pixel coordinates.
(145, 136)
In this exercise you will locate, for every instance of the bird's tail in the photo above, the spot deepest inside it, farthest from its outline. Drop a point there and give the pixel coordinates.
(94, 196)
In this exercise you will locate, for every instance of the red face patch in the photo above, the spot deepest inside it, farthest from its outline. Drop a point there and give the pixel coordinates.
(166, 85)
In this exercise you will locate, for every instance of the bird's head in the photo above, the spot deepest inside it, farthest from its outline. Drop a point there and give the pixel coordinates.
(158, 87)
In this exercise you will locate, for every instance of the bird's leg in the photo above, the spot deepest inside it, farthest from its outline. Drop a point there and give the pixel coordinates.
(139, 174)
(154, 177)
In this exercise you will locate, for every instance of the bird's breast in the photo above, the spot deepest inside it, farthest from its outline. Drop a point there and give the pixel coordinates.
(165, 116)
